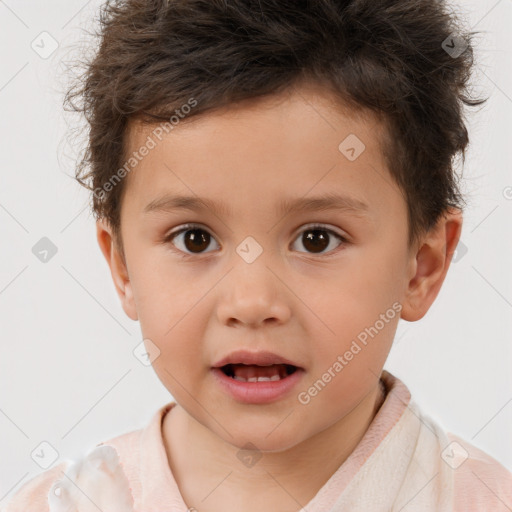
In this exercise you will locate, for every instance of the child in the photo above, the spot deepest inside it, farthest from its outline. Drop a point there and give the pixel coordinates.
(274, 190)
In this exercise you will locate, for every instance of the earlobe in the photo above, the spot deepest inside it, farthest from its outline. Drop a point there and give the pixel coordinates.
(431, 264)
(118, 268)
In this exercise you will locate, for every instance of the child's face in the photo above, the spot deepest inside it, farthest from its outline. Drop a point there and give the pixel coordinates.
(304, 299)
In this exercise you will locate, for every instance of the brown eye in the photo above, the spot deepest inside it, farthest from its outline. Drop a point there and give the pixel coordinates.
(316, 239)
(191, 240)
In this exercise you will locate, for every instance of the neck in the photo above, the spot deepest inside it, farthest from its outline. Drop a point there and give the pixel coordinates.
(200, 460)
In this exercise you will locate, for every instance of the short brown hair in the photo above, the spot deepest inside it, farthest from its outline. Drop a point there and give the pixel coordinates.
(389, 56)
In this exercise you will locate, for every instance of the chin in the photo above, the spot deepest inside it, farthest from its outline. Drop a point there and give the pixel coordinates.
(265, 437)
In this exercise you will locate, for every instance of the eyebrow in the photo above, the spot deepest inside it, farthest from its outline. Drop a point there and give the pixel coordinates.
(331, 201)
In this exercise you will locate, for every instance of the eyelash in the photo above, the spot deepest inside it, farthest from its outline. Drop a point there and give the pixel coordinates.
(309, 227)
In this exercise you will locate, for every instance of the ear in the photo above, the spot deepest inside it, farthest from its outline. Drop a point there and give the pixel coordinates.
(430, 264)
(117, 266)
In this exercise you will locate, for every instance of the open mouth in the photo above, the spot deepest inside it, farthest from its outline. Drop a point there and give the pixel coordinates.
(256, 373)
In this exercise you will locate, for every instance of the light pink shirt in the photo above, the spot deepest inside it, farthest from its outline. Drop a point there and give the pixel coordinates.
(481, 483)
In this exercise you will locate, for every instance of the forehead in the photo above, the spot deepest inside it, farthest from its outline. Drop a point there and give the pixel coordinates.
(263, 149)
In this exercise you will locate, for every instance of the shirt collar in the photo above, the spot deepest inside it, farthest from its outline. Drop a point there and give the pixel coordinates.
(159, 490)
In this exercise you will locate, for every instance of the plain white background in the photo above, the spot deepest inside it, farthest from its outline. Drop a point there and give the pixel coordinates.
(68, 376)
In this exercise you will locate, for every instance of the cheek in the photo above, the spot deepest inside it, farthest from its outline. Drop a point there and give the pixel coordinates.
(163, 294)
(171, 318)
(354, 295)
(375, 275)
(181, 361)
(355, 315)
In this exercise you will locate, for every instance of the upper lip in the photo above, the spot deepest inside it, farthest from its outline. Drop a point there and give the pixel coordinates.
(261, 358)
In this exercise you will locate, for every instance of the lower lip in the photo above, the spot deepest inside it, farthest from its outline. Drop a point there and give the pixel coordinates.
(257, 392)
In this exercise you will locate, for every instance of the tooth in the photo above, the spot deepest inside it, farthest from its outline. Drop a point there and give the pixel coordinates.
(239, 378)
(252, 379)
(262, 379)
(275, 377)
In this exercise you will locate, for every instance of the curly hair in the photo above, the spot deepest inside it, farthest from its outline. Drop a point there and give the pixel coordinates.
(407, 61)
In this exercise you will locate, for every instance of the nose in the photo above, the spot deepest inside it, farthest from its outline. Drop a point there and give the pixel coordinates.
(253, 296)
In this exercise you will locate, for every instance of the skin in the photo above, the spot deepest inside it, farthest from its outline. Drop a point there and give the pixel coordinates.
(306, 306)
